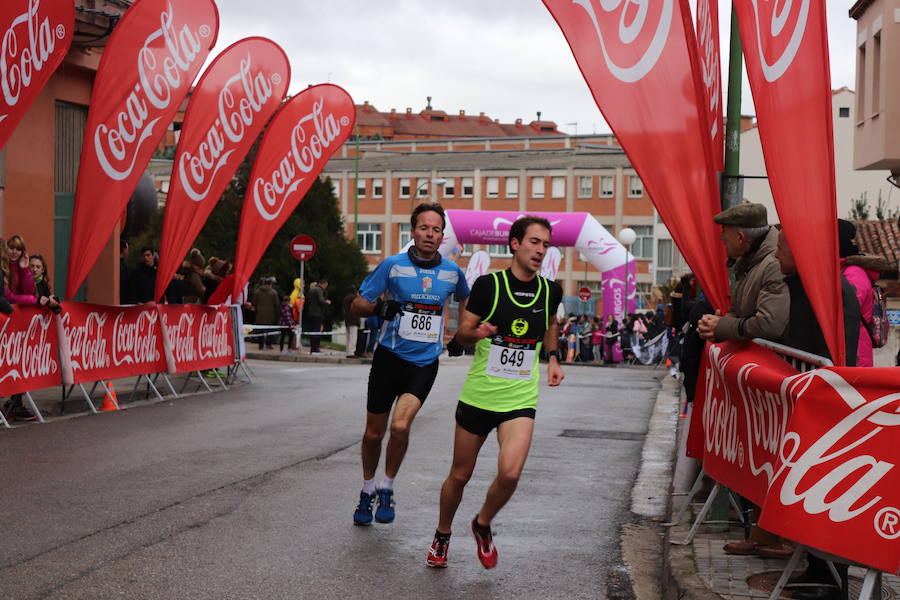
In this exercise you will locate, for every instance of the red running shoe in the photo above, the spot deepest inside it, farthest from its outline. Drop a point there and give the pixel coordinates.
(437, 554)
(484, 540)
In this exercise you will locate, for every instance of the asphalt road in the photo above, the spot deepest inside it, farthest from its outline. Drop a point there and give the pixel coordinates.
(249, 494)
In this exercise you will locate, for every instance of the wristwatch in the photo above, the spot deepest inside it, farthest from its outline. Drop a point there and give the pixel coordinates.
(554, 353)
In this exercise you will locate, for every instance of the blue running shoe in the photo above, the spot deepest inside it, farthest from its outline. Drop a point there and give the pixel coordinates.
(363, 514)
(385, 511)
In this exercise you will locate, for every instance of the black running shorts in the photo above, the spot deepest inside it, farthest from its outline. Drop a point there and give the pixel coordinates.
(392, 376)
(480, 422)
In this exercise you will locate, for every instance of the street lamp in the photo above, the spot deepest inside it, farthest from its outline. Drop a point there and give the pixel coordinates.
(626, 237)
(415, 194)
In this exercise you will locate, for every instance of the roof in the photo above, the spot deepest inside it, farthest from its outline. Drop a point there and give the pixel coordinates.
(858, 8)
(490, 160)
(437, 123)
(881, 238)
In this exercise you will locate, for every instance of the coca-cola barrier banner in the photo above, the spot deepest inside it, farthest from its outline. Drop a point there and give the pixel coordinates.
(35, 36)
(235, 98)
(817, 450)
(786, 52)
(148, 66)
(199, 337)
(29, 351)
(91, 342)
(643, 69)
(302, 136)
(109, 342)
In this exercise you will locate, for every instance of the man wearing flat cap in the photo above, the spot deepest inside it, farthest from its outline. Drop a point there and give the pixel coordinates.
(760, 302)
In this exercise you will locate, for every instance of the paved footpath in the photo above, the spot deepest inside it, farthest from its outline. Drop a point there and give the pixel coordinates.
(249, 494)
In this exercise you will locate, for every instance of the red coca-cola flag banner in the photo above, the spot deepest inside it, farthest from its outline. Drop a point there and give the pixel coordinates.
(711, 71)
(642, 67)
(814, 449)
(148, 66)
(786, 52)
(234, 99)
(301, 138)
(199, 337)
(28, 351)
(109, 342)
(34, 39)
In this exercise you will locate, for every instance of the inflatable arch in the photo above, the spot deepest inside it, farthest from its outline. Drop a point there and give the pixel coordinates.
(578, 230)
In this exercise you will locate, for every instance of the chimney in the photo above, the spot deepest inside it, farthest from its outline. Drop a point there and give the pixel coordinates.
(518, 122)
(462, 113)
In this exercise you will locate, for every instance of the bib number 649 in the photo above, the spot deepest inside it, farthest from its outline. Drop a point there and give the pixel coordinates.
(512, 358)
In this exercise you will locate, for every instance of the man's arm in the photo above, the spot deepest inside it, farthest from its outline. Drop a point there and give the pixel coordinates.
(555, 373)
(471, 329)
(362, 308)
(772, 312)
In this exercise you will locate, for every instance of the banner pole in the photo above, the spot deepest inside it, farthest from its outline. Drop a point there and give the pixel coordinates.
(731, 182)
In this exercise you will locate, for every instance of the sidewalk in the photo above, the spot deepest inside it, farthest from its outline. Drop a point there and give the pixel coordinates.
(703, 571)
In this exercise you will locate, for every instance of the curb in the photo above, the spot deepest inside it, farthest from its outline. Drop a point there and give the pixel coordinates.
(307, 358)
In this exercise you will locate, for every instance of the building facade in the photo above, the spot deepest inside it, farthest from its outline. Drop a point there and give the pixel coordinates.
(556, 174)
(850, 183)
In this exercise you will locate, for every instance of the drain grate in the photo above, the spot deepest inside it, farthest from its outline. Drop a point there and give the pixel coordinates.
(629, 436)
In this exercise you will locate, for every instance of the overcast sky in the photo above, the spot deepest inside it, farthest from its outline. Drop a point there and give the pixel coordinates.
(506, 58)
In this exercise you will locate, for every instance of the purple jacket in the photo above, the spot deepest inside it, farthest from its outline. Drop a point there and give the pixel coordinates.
(21, 285)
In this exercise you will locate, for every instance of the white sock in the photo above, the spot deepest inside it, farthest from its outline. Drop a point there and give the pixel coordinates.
(387, 483)
(369, 486)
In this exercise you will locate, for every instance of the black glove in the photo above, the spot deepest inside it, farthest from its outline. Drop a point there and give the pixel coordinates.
(388, 309)
(454, 348)
(5, 307)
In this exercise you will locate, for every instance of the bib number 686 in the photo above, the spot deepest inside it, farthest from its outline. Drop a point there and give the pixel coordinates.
(421, 322)
(512, 358)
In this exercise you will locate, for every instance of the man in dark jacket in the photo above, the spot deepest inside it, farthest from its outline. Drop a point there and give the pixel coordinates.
(315, 313)
(143, 278)
(266, 308)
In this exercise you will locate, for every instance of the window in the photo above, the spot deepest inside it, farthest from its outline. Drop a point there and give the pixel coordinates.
(876, 74)
(512, 187)
(537, 187)
(336, 186)
(449, 189)
(607, 186)
(499, 250)
(467, 187)
(663, 261)
(596, 287)
(361, 188)
(404, 188)
(493, 187)
(585, 186)
(368, 237)
(643, 245)
(467, 250)
(377, 188)
(558, 187)
(861, 83)
(635, 187)
(844, 112)
(404, 237)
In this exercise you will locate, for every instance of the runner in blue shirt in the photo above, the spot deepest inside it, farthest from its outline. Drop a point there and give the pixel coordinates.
(408, 291)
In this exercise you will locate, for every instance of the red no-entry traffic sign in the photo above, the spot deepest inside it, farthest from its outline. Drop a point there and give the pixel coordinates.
(584, 294)
(303, 247)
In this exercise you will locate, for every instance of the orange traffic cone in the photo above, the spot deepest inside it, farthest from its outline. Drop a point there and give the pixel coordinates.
(110, 401)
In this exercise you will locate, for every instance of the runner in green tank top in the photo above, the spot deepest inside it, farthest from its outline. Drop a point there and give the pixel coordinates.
(510, 316)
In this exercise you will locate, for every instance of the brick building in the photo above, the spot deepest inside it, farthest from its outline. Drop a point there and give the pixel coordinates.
(542, 173)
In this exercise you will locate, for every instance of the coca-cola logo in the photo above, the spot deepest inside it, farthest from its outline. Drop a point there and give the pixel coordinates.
(87, 343)
(240, 102)
(133, 338)
(709, 62)
(829, 474)
(165, 61)
(779, 28)
(134, 342)
(214, 340)
(632, 34)
(26, 50)
(311, 136)
(181, 338)
(27, 352)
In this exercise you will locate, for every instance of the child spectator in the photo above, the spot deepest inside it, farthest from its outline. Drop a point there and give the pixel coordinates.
(286, 320)
(38, 267)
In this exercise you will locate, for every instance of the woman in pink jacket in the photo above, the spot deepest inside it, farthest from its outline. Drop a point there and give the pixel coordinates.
(21, 289)
(862, 271)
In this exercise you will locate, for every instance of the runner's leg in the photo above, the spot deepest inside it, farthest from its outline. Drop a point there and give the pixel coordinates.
(465, 452)
(404, 413)
(376, 425)
(514, 437)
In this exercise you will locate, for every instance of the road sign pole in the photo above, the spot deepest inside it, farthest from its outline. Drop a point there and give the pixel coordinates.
(300, 312)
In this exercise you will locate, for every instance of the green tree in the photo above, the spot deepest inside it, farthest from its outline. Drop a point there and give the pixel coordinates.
(859, 208)
(337, 259)
(882, 212)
